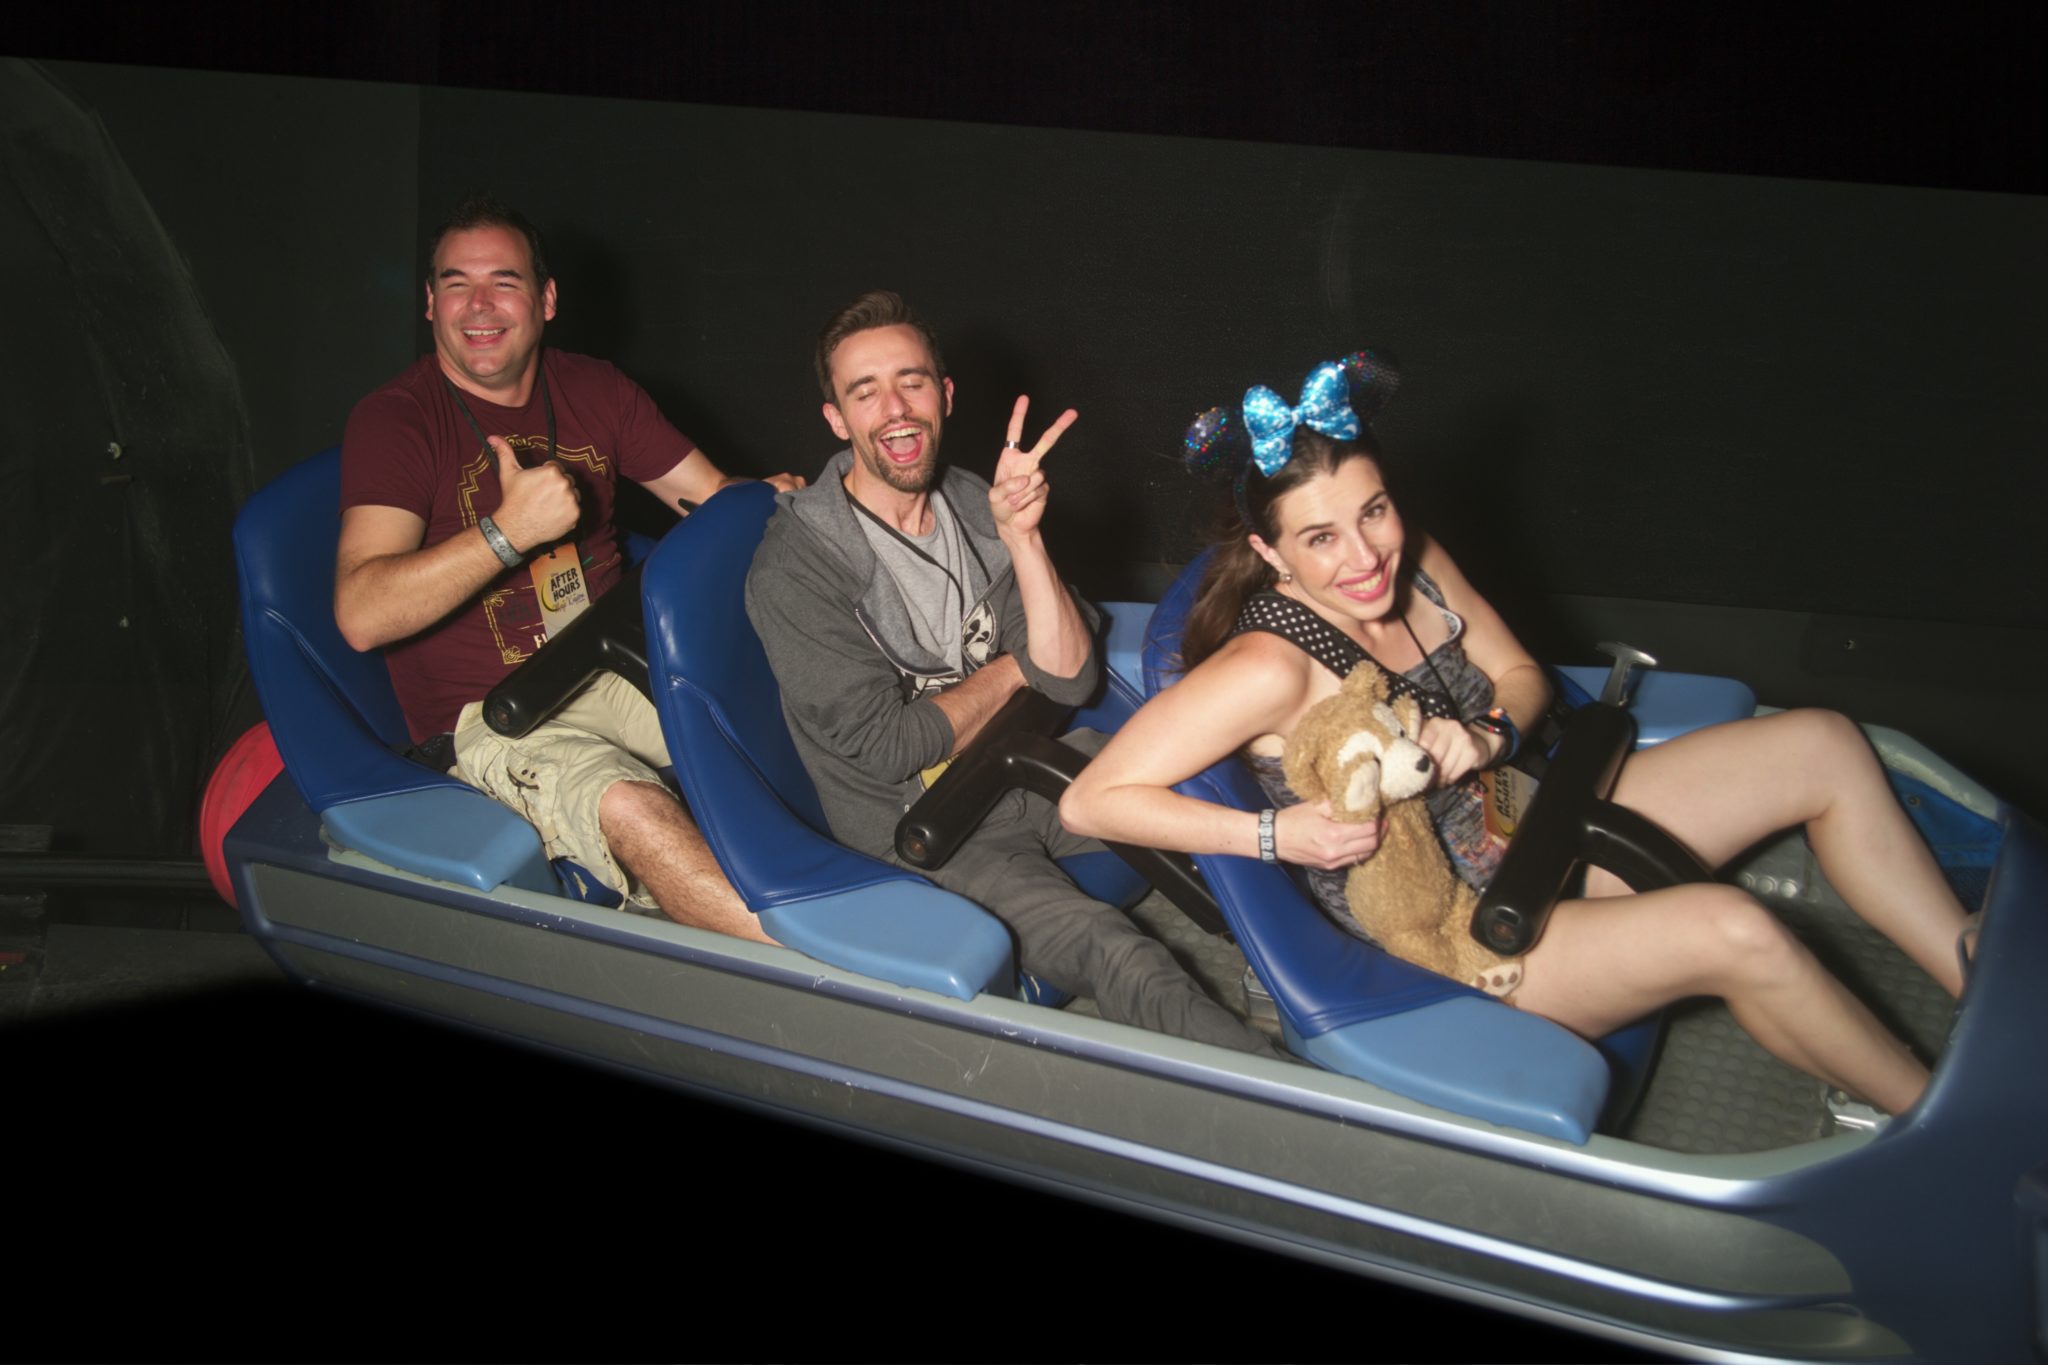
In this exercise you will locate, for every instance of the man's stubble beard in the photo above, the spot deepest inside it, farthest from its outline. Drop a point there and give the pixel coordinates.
(916, 479)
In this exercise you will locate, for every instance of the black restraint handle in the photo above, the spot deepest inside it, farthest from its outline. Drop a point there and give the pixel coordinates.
(611, 635)
(1571, 821)
(931, 831)
(1015, 749)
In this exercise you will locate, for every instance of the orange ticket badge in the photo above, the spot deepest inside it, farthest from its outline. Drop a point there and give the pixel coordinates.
(1508, 794)
(559, 584)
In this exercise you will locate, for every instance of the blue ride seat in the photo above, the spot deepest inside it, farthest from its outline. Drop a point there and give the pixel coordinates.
(336, 720)
(722, 714)
(1354, 1009)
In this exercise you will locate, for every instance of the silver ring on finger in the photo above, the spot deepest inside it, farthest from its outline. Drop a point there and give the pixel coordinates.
(1010, 445)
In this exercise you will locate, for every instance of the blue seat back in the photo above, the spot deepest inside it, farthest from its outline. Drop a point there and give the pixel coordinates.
(334, 716)
(722, 712)
(331, 708)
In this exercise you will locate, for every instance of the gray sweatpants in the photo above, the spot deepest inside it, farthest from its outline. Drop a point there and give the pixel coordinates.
(1072, 941)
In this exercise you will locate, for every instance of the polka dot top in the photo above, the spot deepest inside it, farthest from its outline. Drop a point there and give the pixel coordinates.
(1274, 614)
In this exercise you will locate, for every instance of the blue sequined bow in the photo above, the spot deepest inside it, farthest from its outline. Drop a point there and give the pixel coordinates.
(1325, 406)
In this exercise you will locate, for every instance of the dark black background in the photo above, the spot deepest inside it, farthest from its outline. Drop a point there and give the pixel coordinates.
(1947, 98)
(282, 1174)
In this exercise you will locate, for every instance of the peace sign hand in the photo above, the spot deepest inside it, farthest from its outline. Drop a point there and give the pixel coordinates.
(1017, 496)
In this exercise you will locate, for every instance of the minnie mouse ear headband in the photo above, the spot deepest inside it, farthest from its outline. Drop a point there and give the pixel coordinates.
(1338, 399)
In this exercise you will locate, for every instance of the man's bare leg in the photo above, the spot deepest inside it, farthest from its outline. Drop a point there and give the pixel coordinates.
(655, 839)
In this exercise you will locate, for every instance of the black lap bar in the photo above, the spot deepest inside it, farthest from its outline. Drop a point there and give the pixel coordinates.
(1572, 821)
(1015, 750)
(609, 636)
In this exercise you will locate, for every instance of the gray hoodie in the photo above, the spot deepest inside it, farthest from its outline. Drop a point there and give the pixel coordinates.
(856, 689)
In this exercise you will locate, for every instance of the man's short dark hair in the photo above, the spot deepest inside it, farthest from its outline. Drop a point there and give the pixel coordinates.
(483, 210)
(876, 308)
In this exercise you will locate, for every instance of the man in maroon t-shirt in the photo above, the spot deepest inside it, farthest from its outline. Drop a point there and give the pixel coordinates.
(476, 521)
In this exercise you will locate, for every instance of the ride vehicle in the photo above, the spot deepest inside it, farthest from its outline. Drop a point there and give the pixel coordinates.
(1437, 1138)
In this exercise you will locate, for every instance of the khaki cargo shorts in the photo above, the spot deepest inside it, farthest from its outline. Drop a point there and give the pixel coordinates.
(556, 774)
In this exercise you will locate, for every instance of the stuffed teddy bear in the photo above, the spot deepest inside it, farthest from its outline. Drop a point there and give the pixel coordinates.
(1357, 751)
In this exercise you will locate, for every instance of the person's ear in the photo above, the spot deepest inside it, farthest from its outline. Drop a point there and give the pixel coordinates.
(1270, 555)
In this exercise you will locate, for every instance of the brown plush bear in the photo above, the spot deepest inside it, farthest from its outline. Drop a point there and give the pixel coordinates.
(1358, 751)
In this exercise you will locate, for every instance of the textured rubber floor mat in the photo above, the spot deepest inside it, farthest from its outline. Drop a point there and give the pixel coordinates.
(1715, 1090)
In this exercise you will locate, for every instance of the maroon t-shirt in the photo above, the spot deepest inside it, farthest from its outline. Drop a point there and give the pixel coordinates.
(408, 446)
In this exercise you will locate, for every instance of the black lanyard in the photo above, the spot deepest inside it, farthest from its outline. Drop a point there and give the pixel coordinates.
(1449, 698)
(546, 400)
(917, 550)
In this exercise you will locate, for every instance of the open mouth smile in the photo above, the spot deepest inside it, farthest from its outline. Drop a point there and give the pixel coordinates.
(902, 444)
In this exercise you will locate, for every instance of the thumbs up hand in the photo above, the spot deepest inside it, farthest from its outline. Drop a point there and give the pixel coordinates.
(540, 505)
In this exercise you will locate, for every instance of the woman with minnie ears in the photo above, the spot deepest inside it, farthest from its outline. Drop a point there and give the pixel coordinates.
(1319, 572)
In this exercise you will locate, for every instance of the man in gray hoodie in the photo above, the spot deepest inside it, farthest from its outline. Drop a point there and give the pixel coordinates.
(900, 608)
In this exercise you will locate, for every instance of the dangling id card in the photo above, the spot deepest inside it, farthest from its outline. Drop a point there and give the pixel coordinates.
(559, 584)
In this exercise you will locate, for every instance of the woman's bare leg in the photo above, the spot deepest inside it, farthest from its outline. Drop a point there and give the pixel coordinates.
(1604, 963)
(1721, 789)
